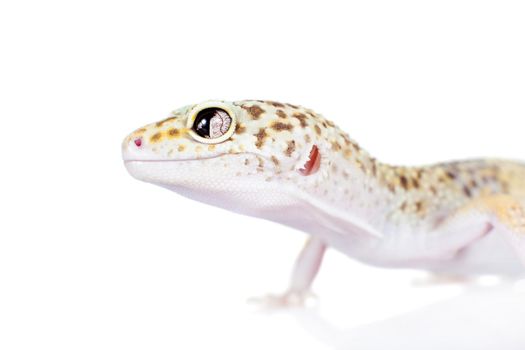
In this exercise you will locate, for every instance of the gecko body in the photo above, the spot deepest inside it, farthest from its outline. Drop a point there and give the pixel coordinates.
(288, 164)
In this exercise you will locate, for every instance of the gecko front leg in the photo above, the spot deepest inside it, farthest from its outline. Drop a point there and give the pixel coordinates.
(305, 270)
(307, 266)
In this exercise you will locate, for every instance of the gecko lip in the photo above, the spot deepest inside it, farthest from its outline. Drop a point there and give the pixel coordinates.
(146, 160)
(166, 160)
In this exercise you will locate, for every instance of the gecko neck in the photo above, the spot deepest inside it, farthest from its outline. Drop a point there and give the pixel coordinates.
(381, 195)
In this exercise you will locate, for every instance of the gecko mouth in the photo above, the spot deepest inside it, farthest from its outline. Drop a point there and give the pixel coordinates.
(128, 160)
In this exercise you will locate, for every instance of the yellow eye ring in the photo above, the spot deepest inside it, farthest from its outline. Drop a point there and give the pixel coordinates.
(214, 120)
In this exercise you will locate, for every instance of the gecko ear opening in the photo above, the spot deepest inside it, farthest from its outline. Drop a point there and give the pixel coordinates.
(313, 163)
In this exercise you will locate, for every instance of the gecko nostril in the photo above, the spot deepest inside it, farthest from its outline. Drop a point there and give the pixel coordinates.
(138, 142)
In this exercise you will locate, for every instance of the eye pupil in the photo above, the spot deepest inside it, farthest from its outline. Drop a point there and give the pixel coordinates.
(212, 123)
(203, 127)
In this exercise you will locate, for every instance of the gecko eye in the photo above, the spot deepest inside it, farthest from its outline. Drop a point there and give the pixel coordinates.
(212, 123)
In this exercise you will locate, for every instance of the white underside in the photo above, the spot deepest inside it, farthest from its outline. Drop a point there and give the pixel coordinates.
(458, 253)
(444, 252)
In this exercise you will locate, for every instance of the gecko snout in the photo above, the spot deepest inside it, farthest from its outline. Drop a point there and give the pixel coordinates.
(133, 147)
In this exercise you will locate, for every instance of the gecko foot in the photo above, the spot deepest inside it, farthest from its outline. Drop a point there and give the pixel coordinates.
(286, 300)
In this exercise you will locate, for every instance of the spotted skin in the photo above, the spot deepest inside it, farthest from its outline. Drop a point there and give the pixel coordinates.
(378, 213)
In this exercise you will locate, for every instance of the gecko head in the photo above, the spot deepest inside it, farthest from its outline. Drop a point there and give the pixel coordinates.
(227, 153)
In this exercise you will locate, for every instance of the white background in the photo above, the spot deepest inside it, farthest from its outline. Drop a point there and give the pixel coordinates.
(92, 259)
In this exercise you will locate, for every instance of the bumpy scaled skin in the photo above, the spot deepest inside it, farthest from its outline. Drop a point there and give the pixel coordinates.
(441, 217)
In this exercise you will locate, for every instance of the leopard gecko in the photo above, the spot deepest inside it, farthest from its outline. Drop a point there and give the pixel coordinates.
(285, 163)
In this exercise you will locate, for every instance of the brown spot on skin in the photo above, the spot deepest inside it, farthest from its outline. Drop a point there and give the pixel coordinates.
(346, 139)
(240, 128)
(374, 167)
(330, 123)
(260, 166)
(302, 119)
(467, 191)
(451, 175)
(173, 132)
(255, 111)
(307, 138)
(324, 124)
(281, 114)
(404, 182)
(336, 146)
(181, 148)
(415, 183)
(261, 137)
(317, 130)
(419, 207)
(359, 164)
(159, 124)
(139, 131)
(347, 153)
(311, 114)
(155, 137)
(211, 147)
(278, 126)
(275, 160)
(246, 161)
(198, 149)
(290, 149)
(276, 104)
(293, 106)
